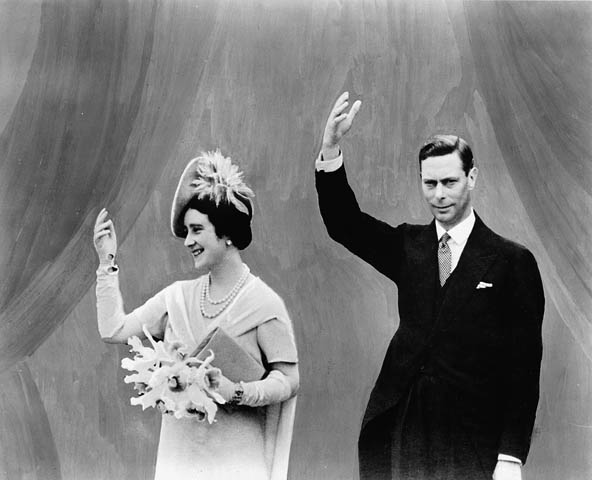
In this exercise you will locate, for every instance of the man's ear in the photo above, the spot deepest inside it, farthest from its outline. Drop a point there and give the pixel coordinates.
(472, 177)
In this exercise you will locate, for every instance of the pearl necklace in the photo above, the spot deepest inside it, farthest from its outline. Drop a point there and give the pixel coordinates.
(226, 301)
(228, 295)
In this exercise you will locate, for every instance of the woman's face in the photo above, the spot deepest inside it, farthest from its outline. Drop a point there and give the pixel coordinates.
(207, 248)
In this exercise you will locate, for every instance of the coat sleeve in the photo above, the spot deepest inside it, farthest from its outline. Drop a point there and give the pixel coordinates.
(525, 311)
(373, 240)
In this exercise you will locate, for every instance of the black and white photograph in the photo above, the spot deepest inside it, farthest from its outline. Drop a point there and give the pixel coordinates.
(295, 240)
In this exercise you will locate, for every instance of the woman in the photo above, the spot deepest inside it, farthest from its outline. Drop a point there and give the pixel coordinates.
(212, 210)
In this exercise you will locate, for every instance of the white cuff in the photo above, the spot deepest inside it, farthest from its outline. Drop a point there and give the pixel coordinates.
(509, 458)
(328, 165)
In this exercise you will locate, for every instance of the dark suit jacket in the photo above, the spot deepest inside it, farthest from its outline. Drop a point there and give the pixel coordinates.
(484, 344)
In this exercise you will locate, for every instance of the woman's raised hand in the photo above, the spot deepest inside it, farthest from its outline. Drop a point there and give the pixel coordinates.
(104, 237)
(338, 124)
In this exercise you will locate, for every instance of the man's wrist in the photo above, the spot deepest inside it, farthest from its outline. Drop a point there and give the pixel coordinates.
(330, 152)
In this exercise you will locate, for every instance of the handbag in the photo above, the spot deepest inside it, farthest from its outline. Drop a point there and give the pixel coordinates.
(232, 359)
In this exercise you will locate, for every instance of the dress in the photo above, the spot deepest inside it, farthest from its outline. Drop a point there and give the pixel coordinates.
(244, 442)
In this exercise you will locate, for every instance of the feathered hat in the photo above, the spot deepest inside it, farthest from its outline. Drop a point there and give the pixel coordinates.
(211, 176)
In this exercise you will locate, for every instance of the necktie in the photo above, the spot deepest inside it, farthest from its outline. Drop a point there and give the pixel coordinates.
(444, 258)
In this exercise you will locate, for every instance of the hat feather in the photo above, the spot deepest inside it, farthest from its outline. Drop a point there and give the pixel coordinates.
(221, 181)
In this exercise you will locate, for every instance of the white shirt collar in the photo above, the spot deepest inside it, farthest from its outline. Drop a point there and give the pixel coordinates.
(460, 232)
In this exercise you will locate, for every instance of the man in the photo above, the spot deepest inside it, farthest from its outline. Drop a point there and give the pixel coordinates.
(458, 391)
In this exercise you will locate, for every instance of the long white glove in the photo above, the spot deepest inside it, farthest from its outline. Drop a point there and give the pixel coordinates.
(275, 388)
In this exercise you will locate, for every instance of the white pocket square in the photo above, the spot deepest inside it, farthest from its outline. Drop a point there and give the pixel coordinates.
(484, 285)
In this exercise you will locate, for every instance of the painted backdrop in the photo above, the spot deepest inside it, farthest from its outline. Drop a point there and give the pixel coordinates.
(102, 103)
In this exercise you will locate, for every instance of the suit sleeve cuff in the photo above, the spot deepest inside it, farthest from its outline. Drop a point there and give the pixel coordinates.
(509, 458)
(328, 165)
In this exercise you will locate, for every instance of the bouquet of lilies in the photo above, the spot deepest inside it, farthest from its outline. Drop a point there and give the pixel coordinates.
(169, 379)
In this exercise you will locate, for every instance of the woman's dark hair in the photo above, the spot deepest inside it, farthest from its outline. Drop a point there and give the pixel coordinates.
(440, 145)
(226, 219)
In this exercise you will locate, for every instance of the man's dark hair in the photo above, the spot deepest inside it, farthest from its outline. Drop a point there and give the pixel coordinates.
(227, 220)
(440, 145)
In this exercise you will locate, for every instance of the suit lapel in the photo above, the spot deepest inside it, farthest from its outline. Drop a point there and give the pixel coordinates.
(476, 258)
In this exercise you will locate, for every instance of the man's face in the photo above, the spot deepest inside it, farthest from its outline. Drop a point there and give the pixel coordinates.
(447, 188)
